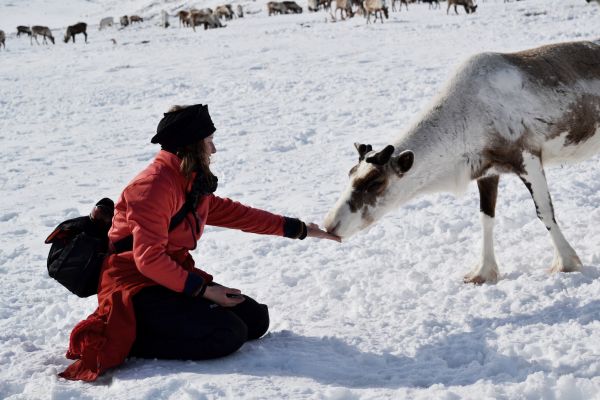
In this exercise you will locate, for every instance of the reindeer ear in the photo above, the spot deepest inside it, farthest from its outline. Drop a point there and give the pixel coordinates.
(381, 157)
(362, 150)
(403, 162)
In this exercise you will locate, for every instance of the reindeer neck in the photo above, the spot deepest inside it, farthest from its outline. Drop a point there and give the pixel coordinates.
(438, 141)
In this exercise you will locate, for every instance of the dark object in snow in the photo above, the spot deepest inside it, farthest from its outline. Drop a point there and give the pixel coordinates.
(79, 246)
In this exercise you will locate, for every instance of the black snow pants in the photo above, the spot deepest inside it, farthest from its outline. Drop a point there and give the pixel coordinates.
(171, 325)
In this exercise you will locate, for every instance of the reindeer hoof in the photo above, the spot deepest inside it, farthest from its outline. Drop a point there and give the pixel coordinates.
(559, 266)
(562, 268)
(476, 280)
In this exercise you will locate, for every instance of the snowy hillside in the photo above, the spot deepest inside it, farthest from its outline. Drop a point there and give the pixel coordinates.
(383, 315)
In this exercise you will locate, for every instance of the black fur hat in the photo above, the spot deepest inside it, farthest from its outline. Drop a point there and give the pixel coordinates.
(180, 128)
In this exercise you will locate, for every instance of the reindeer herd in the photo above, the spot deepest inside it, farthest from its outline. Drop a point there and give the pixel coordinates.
(210, 19)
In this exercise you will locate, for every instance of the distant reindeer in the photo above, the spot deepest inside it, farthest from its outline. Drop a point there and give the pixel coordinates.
(432, 3)
(230, 8)
(315, 5)
(467, 4)
(224, 11)
(73, 30)
(400, 7)
(240, 11)
(135, 18)
(124, 21)
(292, 7)
(2, 40)
(184, 18)
(43, 31)
(343, 6)
(205, 17)
(275, 7)
(23, 30)
(359, 7)
(105, 23)
(376, 7)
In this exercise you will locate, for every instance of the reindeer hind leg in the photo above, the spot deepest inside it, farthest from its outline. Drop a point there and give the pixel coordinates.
(533, 176)
(487, 269)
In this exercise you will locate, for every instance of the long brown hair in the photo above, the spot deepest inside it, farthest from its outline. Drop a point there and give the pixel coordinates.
(193, 156)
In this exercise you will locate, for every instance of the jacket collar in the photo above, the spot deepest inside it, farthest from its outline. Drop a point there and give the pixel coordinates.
(169, 159)
(173, 162)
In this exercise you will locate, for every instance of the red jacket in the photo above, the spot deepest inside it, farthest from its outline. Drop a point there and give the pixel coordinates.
(144, 209)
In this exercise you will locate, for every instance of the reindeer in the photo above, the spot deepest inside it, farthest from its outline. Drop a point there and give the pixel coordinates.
(468, 4)
(23, 30)
(275, 7)
(2, 39)
(124, 21)
(205, 17)
(224, 11)
(73, 30)
(231, 12)
(315, 5)
(401, 2)
(184, 18)
(343, 5)
(432, 3)
(360, 9)
(376, 7)
(240, 11)
(501, 113)
(43, 31)
(291, 7)
(105, 23)
(135, 18)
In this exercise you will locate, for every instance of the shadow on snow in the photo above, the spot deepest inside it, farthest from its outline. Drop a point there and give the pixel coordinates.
(458, 359)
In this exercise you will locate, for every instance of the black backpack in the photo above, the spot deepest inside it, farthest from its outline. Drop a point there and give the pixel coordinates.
(79, 246)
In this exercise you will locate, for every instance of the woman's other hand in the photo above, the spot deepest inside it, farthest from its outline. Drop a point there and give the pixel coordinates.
(313, 230)
(224, 296)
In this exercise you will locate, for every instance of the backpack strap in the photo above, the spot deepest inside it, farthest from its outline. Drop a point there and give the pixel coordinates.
(191, 203)
(126, 244)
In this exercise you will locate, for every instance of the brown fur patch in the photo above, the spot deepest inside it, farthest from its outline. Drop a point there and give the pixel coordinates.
(559, 64)
(581, 121)
(504, 155)
(488, 192)
(362, 194)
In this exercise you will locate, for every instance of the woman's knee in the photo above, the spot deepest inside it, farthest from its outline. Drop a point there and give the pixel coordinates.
(227, 338)
(259, 324)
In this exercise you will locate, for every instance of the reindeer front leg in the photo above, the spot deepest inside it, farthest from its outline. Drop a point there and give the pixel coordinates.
(565, 258)
(487, 269)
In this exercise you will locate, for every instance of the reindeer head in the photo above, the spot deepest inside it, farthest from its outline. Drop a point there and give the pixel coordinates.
(372, 191)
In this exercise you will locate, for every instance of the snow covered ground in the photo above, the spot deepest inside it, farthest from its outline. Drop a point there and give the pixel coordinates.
(383, 315)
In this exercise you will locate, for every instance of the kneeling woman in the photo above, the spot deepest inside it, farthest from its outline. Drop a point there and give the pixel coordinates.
(152, 301)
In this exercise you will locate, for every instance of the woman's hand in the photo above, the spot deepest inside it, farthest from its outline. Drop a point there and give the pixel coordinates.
(313, 230)
(224, 296)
